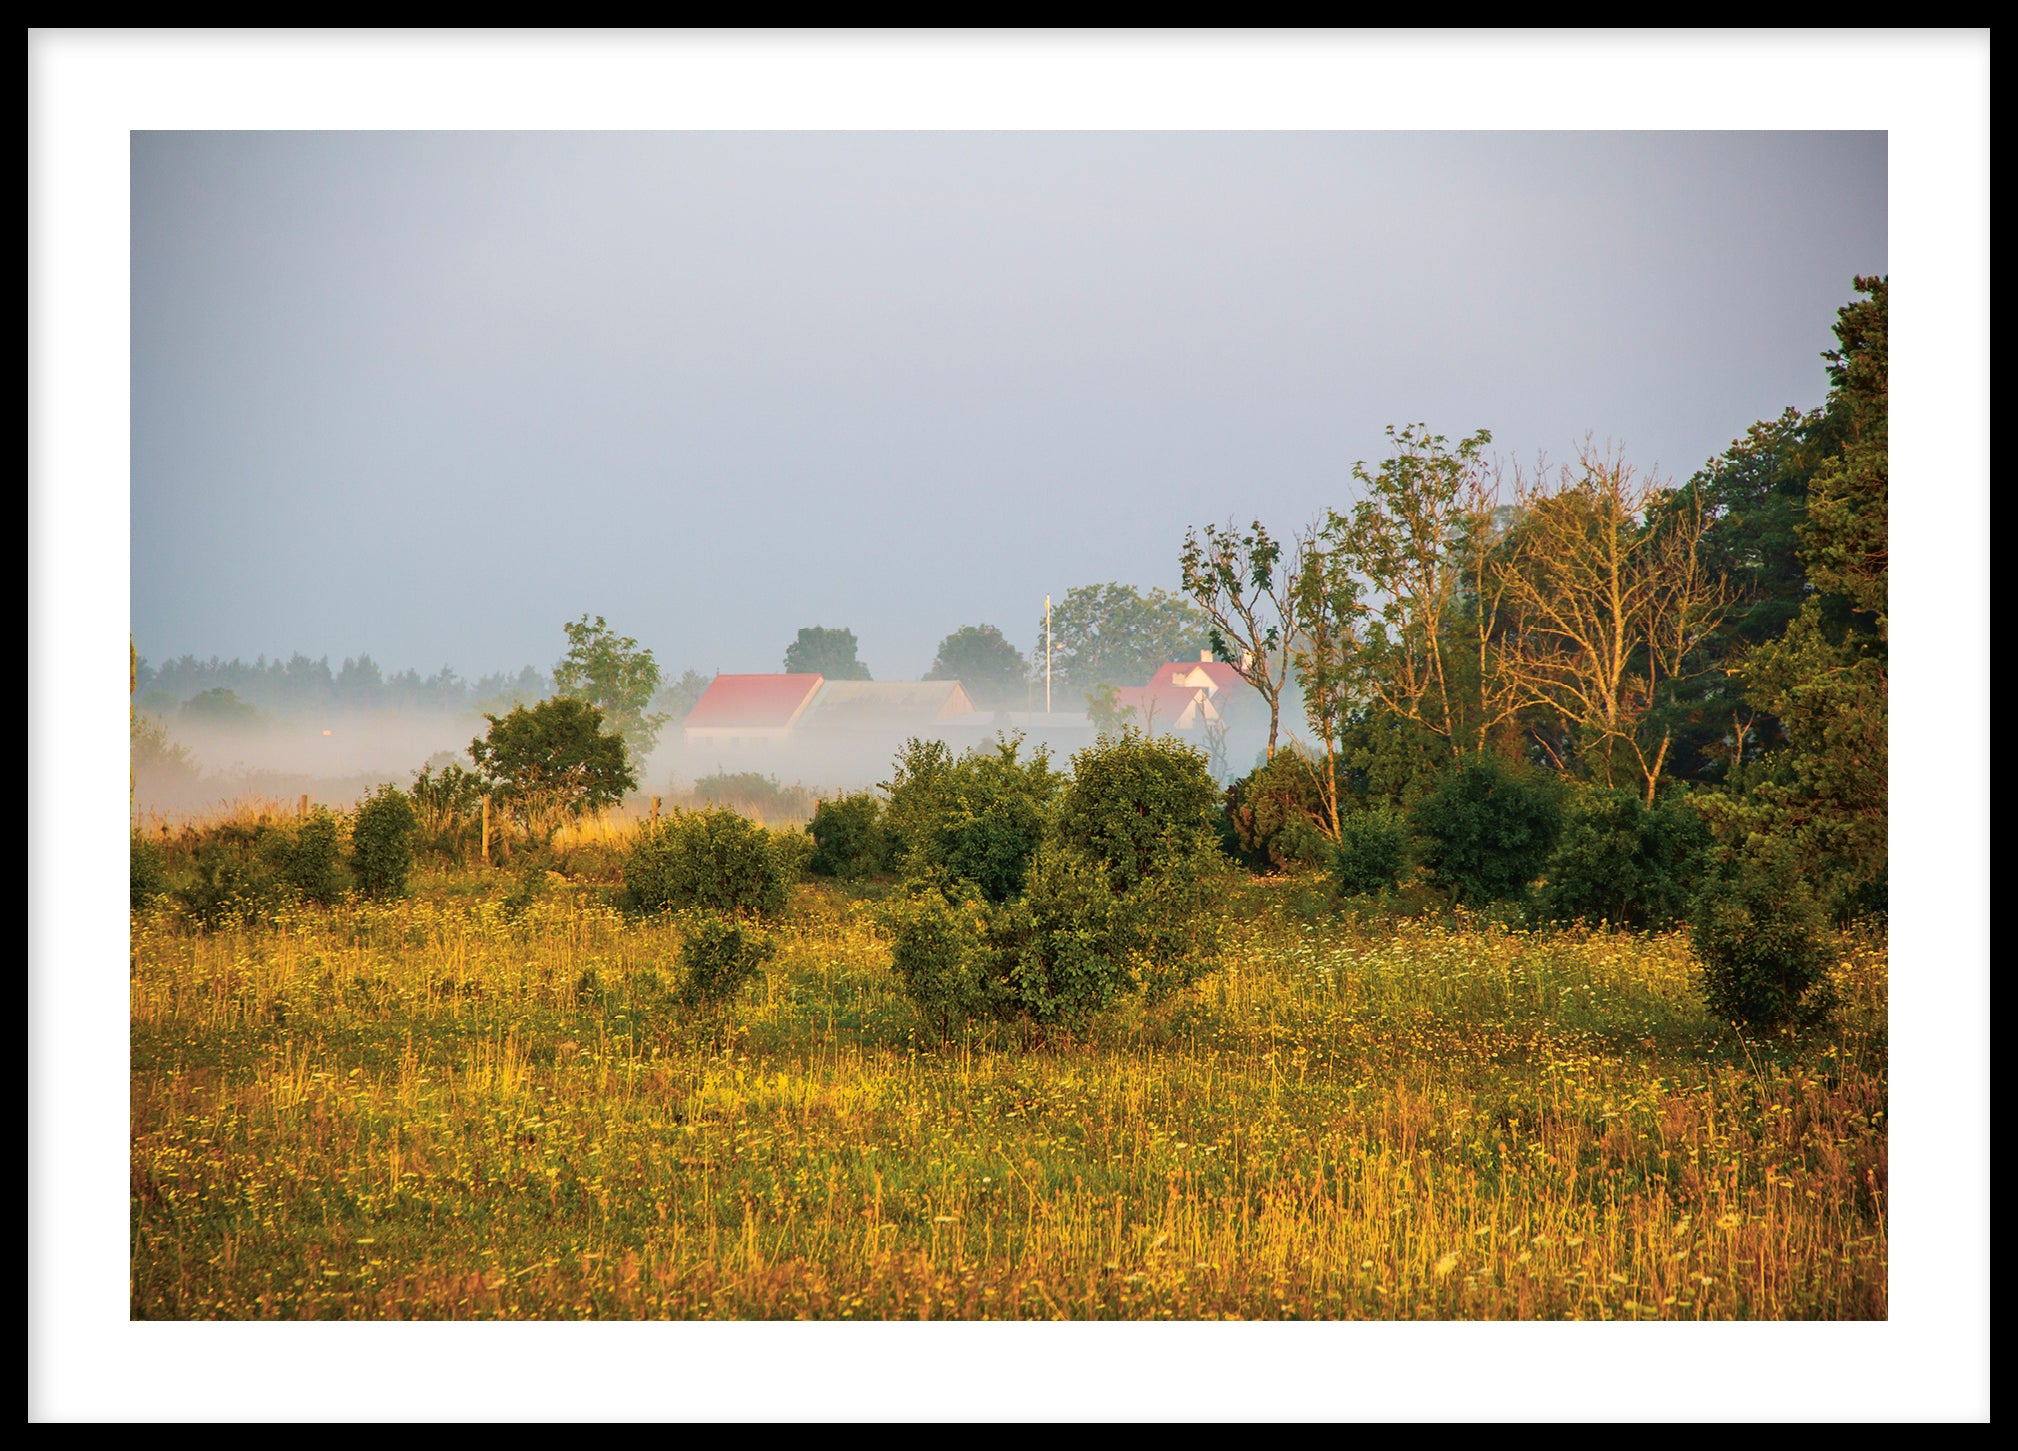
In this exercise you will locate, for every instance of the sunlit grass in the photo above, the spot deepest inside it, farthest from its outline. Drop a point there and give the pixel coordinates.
(448, 1109)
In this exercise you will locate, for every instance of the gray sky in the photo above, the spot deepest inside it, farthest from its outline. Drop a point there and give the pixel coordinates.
(428, 395)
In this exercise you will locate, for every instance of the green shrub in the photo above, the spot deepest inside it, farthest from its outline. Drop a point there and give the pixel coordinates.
(1371, 852)
(1487, 829)
(314, 862)
(942, 953)
(849, 838)
(1762, 938)
(1617, 861)
(147, 875)
(235, 875)
(381, 842)
(1136, 803)
(753, 793)
(793, 852)
(1272, 813)
(720, 957)
(716, 861)
(1115, 900)
(449, 805)
(977, 819)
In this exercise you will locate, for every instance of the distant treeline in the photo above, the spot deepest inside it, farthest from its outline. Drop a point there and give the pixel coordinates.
(299, 685)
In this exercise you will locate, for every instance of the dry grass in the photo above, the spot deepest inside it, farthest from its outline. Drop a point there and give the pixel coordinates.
(446, 1109)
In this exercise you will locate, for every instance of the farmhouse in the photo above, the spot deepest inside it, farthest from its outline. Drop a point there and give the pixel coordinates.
(880, 707)
(751, 707)
(1216, 677)
(1168, 707)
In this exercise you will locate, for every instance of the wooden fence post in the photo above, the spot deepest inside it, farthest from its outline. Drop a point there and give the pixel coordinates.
(655, 811)
(486, 830)
(301, 812)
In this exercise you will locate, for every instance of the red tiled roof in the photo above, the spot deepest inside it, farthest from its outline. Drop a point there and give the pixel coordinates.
(1218, 672)
(753, 702)
(1166, 703)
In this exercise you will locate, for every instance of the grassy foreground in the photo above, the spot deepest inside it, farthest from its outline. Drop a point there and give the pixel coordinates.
(450, 1108)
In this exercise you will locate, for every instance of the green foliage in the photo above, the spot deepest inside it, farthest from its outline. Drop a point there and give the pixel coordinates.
(1762, 938)
(381, 842)
(977, 819)
(715, 861)
(448, 804)
(616, 675)
(849, 838)
(751, 792)
(552, 761)
(993, 671)
(314, 861)
(943, 955)
(1137, 804)
(1011, 914)
(720, 958)
(235, 875)
(156, 759)
(1619, 861)
(820, 651)
(1113, 634)
(147, 873)
(1372, 851)
(219, 707)
(792, 850)
(1272, 813)
(1487, 829)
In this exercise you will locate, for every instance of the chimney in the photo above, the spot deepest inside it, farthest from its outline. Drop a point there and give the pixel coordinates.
(1204, 657)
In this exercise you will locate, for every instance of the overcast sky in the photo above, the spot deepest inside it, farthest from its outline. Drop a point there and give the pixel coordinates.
(427, 396)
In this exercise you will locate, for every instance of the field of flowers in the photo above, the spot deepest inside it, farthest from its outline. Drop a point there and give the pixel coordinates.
(464, 1106)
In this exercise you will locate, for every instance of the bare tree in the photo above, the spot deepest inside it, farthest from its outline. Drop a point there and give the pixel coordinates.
(1610, 604)
(1240, 582)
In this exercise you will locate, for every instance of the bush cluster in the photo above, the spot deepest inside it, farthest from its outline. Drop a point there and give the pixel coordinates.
(1112, 897)
(1761, 936)
(720, 956)
(849, 839)
(1485, 831)
(715, 861)
(382, 834)
(1271, 814)
(1617, 860)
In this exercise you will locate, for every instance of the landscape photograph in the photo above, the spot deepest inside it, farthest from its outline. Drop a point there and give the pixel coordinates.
(1036, 737)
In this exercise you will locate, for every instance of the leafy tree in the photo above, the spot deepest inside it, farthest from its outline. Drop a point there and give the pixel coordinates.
(1826, 678)
(1105, 710)
(155, 757)
(448, 802)
(552, 761)
(219, 706)
(1250, 594)
(1424, 609)
(992, 670)
(616, 675)
(1113, 634)
(820, 651)
(1278, 814)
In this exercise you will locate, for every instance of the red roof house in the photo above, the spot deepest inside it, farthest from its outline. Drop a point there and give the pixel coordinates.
(1216, 676)
(751, 705)
(1167, 707)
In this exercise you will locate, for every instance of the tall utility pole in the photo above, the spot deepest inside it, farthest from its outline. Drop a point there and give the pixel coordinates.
(1047, 654)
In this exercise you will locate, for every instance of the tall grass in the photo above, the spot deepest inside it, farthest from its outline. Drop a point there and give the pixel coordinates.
(446, 1108)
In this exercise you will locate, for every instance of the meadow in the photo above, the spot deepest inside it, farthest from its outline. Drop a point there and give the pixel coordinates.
(485, 1102)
